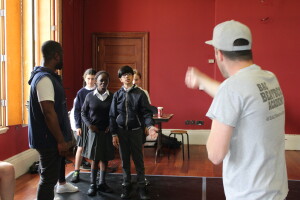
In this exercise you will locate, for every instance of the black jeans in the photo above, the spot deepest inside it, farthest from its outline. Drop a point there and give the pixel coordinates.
(131, 144)
(52, 167)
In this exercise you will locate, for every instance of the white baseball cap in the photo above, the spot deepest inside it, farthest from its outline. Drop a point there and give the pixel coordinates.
(227, 32)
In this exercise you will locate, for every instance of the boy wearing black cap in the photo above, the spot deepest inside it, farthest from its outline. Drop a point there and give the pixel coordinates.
(130, 110)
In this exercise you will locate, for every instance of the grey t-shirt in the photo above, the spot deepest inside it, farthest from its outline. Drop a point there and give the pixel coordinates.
(251, 101)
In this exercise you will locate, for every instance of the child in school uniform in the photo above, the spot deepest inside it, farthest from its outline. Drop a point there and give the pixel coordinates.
(130, 110)
(81, 129)
(99, 148)
(137, 79)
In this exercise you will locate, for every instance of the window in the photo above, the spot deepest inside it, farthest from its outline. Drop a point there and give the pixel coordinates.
(25, 25)
(2, 62)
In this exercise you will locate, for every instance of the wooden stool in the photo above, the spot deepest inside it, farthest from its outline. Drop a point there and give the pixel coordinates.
(181, 132)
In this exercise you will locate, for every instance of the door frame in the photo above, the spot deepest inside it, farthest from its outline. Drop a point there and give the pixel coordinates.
(125, 35)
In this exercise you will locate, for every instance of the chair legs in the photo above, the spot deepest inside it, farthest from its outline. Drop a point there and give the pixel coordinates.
(188, 145)
(182, 139)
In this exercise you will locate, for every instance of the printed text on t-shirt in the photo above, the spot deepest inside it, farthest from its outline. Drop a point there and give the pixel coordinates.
(273, 96)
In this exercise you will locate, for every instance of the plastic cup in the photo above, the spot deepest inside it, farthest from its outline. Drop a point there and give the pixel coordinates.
(160, 111)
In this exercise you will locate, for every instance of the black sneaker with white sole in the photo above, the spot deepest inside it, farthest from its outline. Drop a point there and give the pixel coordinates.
(75, 177)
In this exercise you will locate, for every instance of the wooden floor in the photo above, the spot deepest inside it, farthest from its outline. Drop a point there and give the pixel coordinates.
(197, 165)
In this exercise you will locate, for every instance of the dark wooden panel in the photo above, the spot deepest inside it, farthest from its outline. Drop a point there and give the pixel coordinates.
(114, 50)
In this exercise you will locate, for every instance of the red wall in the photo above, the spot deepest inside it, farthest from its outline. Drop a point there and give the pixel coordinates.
(73, 48)
(14, 141)
(276, 43)
(177, 31)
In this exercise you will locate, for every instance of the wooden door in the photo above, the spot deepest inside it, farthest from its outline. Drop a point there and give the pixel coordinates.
(112, 50)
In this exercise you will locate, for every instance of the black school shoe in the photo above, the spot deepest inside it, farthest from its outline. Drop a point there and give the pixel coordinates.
(92, 190)
(104, 188)
(143, 193)
(126, 192)
(147, 182)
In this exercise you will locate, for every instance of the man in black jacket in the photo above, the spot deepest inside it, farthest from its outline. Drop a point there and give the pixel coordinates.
(129, 113)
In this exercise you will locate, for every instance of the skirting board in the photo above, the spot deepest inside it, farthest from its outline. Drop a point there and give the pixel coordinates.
(199, 137)
(23, 161)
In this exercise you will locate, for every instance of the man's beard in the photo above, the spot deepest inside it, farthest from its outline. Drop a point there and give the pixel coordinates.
(59, 65)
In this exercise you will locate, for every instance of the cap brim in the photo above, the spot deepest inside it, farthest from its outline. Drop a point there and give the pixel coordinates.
(210, 42)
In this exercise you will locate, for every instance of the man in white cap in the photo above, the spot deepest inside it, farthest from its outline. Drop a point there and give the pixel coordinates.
(248, 117)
